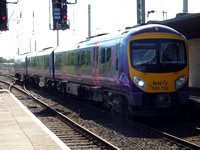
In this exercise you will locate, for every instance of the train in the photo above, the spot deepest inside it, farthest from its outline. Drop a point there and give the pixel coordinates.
(142, 71)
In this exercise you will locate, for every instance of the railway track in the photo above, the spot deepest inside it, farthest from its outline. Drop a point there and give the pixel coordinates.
(70, 132)
(182, 143)
(179, 132)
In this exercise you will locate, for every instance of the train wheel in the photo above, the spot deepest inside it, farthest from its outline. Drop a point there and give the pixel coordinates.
(120, 106)
(106, 104)
(32, 81)
(51, 87)
(63, 90)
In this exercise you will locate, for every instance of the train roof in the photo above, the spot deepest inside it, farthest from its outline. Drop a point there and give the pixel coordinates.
(130, 31)
(148, 28)
(21, 56)
(107, 38)
(65, 48)
(43, 52)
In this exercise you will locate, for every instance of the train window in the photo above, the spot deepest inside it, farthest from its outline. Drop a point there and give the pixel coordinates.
(77, 59)
(46, 62)
(172, 52)
(64, 59)
(143, 53)
(29, 62)
(32, 62)
(58, 61)
(103, 58)
(35, 62)
(72, 59)
(37, 65)
(68, 59)
(158, 55)
(88, 58)
(83, 59)
(38, 62)
(108, 61)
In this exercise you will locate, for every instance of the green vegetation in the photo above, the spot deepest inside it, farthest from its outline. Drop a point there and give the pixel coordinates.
(4, 60)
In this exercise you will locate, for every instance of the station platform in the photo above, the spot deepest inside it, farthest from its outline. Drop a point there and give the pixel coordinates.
(21, 130)
(194, 91)
(195, 95)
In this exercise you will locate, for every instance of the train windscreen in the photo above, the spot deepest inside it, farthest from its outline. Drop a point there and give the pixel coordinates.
(158, 55)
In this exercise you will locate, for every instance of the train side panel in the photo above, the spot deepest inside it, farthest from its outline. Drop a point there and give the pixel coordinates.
(142, 71)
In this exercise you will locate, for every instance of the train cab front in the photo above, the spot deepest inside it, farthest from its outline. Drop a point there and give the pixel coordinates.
(158, 68)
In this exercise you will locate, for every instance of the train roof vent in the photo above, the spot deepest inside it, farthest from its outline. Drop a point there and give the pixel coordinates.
(125, 32)
(44, 49)
(83, 41)
(94, 36)
(127, 28)
(98, 35)
(24, 53)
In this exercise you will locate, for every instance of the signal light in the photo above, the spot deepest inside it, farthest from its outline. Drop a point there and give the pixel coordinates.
(64, 11)
(4, 18)
(60, 21)
(3, 15)
(65, 16)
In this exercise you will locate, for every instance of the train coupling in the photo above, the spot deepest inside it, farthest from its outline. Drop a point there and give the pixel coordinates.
(163, 101)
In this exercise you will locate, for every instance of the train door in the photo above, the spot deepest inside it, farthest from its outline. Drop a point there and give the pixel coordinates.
(26, 65)
(95, 65)
(51, 65)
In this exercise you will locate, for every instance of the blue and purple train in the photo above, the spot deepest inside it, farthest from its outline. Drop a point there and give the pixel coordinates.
(141, 71)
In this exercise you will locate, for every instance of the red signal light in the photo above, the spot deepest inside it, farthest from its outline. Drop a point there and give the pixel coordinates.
(65, 16)
(4, 18)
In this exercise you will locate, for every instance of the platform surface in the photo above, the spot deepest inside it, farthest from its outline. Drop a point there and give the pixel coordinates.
(195, 95)
(21, 130)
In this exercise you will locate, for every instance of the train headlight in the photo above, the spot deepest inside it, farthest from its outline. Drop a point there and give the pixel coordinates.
(180, 81)
(139, 82)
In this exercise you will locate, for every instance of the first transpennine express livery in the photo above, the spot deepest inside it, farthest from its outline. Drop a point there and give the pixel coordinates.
(141, 71)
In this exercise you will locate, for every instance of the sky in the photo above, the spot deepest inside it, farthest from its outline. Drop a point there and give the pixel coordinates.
(28, 33)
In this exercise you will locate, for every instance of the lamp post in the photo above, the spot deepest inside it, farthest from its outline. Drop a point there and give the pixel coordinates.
(149, 12)
(164, 12)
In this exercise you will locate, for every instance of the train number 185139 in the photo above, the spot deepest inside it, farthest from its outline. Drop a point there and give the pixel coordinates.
(158, 88)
